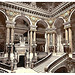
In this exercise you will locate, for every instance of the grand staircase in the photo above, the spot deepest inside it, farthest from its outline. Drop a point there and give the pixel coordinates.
(3, 70)
(41, 66)
(3, 63)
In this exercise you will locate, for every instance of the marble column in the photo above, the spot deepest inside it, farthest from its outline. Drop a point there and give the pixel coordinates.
(48, 42)
(54, 42)
(12, 43)
(45, 42)
(7, 42)
(70, 39)
(12, 39)
(8, 35)
(30, 41)
(66, 34)
(28, 37)
(35, 36)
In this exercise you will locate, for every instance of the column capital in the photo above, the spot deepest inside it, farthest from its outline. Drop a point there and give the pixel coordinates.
(50, 30)
(33, 28)
(10, 24)
(67, 25)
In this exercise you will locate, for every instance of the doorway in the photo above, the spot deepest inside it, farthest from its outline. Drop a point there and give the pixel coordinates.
(21, 61)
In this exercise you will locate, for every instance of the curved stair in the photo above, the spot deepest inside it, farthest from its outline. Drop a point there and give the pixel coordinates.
(41, 66)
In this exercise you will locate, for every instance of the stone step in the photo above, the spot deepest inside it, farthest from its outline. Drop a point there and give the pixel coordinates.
(40, 68)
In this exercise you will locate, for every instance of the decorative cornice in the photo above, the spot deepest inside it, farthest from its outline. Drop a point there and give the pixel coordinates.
(63, 9)
(37, 11)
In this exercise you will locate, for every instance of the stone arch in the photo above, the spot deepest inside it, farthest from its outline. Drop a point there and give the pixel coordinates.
(71, 15)
(22, 27)
(61, 69)
(40, 34)
(72, 23)
(47, 25)
(59, 18)
(4, 14)
(60, 33)
(23, 17)
(3, 18)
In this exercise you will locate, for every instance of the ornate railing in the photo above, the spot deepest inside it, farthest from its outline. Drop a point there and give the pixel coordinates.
(3, 70)
(5, 66)
(55, 62)
(42, 60)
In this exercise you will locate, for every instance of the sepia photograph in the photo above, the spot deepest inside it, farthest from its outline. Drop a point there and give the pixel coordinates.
(37, 37)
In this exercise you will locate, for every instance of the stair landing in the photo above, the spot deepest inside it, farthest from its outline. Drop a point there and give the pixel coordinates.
(24, 70)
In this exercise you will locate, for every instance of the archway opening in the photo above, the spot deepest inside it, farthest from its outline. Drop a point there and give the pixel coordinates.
(21, 29)
(72, 19)
(21, 62)
(61, 70)
(21, 40)
(60, 34)
(40, 35)
(2, 32)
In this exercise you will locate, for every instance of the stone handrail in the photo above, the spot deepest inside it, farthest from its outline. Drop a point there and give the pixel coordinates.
(3, 70)
(5, 66)
(55, 62)
(42, 60)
